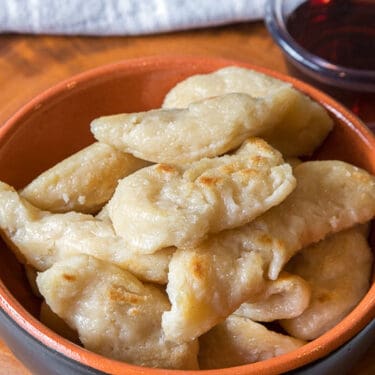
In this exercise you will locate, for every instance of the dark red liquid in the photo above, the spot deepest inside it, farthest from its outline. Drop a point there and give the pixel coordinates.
(340, 31)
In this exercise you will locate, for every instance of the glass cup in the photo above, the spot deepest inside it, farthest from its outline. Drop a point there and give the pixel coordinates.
(353, 86)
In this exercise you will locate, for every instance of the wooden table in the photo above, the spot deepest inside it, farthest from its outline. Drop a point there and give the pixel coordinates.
(30, 64)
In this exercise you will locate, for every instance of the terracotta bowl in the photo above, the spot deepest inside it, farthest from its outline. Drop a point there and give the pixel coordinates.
(56, 123)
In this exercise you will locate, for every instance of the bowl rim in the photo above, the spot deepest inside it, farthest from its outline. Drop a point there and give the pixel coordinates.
(316, 349)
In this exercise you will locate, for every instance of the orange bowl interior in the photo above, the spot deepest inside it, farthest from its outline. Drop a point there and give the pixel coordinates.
(56, 124)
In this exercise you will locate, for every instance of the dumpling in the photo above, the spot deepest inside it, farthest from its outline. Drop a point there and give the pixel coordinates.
(222, 81)
(40, 238)
(163, 205)
(330, 196)
(238, 341)
(338, 270)
(207, 128)
(114, 313)
(206, 284)
(178, 136)
(83, 182)
(211, 280)
(286, 297)
(297, 130)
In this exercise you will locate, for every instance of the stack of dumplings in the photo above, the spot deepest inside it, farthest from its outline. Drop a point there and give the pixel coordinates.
(175, 238)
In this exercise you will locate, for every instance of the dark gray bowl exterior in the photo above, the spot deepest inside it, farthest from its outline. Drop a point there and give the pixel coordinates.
(344, 358)
(38, 358)
(41, 360)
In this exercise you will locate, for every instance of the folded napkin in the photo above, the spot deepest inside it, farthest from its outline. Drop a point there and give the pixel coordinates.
(122, 17)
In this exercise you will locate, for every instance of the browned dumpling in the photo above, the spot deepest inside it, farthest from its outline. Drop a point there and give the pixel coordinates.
(164, 205)
(286, 297)
(40, 238)
(211, 280)
(338, 270)
(238, 341)
(114, 313)
(330, 196)
(83, 182)
(207, 128)
(206, 284)
(297, 129)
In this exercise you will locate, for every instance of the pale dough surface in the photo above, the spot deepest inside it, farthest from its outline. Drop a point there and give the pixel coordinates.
(338, 270)
(40, 238)
(164, 205)
(300, 124)
(114, 313)
(238, 341)
(207, 128)
(209, 281)
(83, 182)
(286, 297)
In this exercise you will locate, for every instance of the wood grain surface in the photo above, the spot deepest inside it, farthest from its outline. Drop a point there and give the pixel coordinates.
(30, 64)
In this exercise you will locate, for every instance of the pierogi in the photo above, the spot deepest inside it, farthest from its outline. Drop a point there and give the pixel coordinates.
(222, 81)
(164, 205)
(338, 270)
(239, 340)
(211, 280)
(114, 314)
(206, 284)
(207, 128)
(284, 298)
(40, 238)
(298, 128)
(330, 196)
(83, 182)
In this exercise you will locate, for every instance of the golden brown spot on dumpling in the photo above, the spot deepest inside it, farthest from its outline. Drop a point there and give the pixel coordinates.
(249, 172)
(209, 181)
(229, 168)
(121, 295)
(136, 120)
(134, 311)
(266, 240)
(279, 243)
(258, 161)
(361, 177)
(165, 168)
(68, 277)
(197, 267)
(323, 297)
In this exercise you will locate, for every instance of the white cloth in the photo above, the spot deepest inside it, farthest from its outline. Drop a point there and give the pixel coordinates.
(122, 17)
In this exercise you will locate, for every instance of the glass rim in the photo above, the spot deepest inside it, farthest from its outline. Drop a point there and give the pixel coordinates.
(319, 68)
